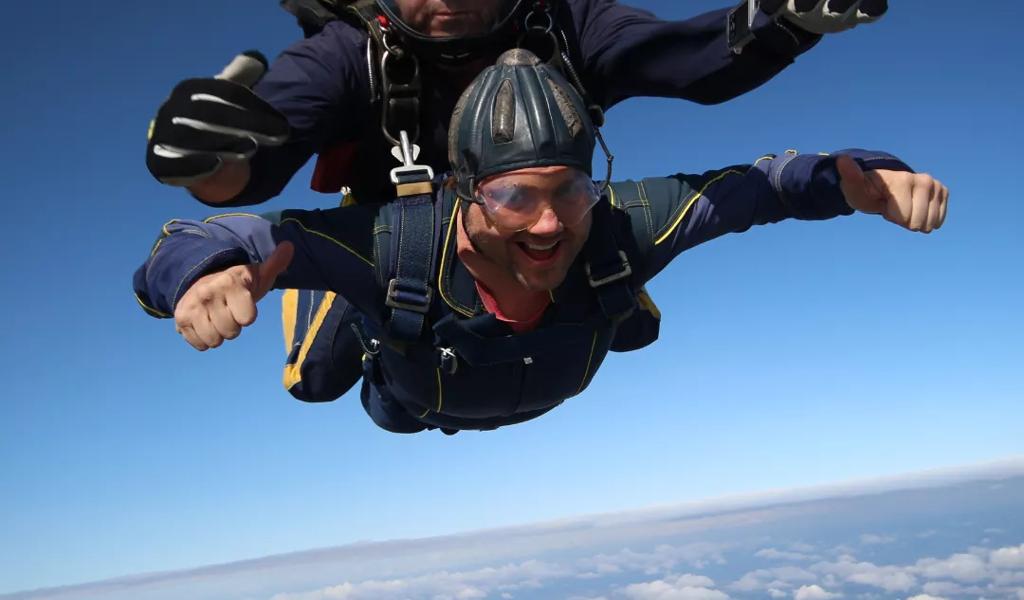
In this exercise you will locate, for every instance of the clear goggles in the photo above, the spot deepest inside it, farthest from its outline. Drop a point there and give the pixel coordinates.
(514, 203)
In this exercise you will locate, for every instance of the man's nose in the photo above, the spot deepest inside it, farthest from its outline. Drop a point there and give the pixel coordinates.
(548, 224)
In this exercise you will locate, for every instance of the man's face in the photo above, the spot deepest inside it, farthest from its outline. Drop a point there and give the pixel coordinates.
(539, 256)
(449, 18)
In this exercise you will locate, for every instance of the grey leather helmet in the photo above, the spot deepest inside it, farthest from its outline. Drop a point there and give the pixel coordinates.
(518, 113)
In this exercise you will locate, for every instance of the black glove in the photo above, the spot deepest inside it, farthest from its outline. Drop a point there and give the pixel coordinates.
(206, 122)
(826, 16)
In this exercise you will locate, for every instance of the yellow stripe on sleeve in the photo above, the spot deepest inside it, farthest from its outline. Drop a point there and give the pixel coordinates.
(689, 204)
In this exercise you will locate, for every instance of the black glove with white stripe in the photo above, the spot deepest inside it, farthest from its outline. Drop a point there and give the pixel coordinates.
(826, 16)
(207, 122)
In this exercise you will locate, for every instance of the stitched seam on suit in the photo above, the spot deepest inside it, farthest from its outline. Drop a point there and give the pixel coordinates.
(444, 273)
(150, 309)
(330, 239)
(590, 359)
(647, 208)
(686, 206)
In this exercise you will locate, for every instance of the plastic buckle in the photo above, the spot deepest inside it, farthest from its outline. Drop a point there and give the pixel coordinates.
(419, 305)
(624, 272)
(422, 172)
(406, 153)
(740, 29)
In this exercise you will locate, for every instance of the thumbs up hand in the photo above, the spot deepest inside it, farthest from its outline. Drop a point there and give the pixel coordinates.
(914, 201)
(219, 305)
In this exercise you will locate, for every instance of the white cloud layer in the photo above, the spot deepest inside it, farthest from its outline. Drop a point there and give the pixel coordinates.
(468, 585)
(682, 587)
(791, 555)
(849, 569)
(778, 578)
(1008, 558)
(979, 572)
(662, 559)
(814, 592)
(961, 567)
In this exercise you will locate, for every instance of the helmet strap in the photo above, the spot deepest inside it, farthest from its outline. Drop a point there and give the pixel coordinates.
(542, 37)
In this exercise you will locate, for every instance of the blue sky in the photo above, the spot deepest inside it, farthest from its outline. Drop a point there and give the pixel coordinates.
(790, 355)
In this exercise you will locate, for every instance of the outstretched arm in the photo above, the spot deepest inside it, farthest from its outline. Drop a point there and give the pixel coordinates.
(210, 274)
(668, 215)
(629, 52)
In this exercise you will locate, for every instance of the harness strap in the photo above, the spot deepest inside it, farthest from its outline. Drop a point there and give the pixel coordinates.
(414, 234)
(607, 267)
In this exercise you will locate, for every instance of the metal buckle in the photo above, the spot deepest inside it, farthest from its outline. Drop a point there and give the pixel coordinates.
(394, 302)
(372, 349)
(449, 361)
(622, 274)
(740, 29)
(406, 154)
(427, 173)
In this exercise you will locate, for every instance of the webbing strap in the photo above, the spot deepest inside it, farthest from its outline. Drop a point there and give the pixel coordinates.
(607, 268)
(409, 293)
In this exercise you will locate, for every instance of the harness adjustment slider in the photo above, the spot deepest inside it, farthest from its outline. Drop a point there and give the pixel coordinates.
(406, 298)
(624, 271)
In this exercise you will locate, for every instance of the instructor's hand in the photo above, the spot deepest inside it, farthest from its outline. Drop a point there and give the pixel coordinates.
(912, 200)
(206, 123)
(826, 16)
(219, 305)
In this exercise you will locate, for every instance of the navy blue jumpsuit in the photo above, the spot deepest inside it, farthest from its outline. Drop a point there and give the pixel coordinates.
(406, 389)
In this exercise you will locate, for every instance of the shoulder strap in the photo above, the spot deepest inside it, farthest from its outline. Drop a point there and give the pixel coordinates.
(415, 232)
(607, 267)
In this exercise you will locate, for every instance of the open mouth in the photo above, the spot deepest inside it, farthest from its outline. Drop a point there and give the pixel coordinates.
(540, 252)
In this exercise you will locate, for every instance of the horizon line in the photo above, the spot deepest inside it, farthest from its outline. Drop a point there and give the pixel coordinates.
(938, 477)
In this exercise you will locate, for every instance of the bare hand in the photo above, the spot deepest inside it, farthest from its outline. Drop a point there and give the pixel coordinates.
(914, 201)
(220, 304)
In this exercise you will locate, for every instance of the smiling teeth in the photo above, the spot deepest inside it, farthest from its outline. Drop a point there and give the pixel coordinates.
(540, 247)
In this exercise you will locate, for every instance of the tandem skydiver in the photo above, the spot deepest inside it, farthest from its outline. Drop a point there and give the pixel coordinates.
(498, 297)
(372, 69)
